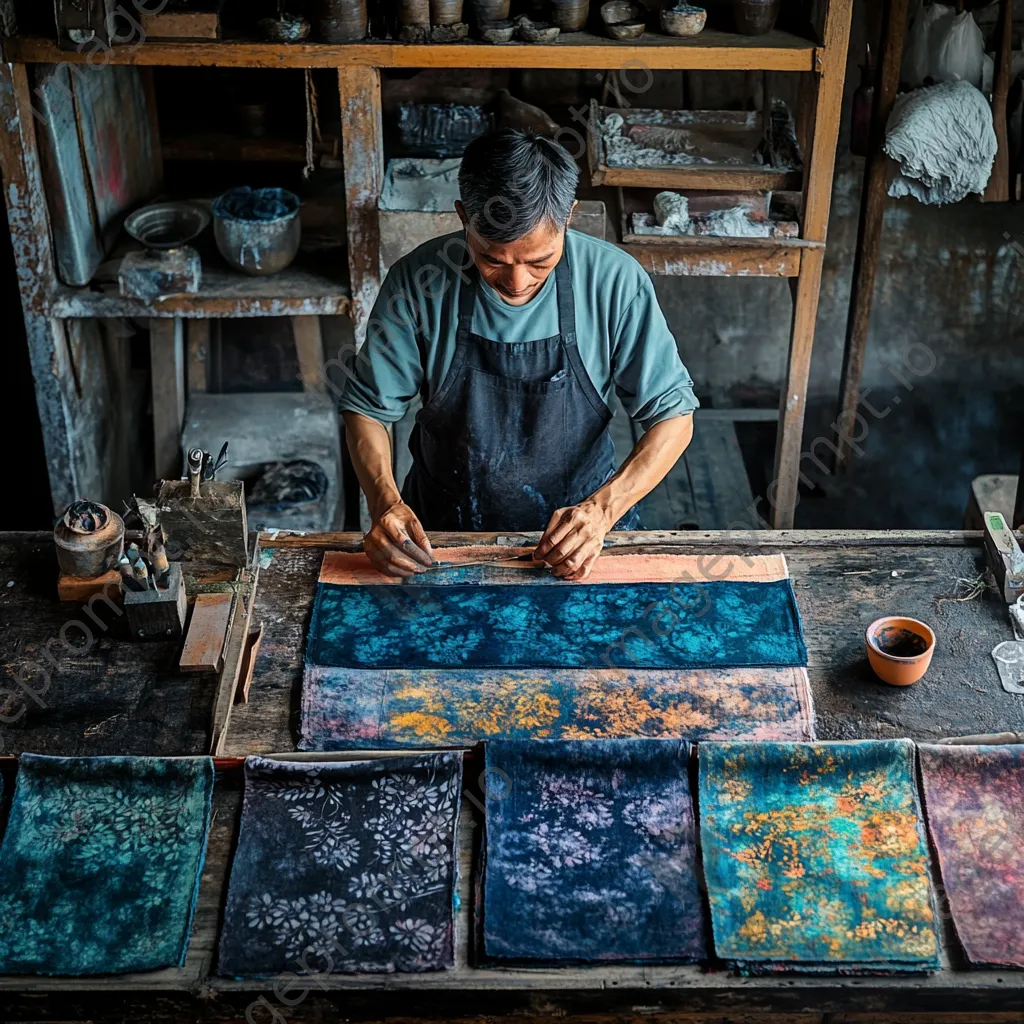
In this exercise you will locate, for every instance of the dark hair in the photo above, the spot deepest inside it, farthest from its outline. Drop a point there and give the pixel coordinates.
(511, 181)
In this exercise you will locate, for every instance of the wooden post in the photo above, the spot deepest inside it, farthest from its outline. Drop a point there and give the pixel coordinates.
(309, 347)
(998, 188)
(363, 155)
(869, 230)
(783, 493)
(167, 368)
(198, 331)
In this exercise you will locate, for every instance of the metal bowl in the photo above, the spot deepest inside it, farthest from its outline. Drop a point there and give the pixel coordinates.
(167, 225)
(252, 240)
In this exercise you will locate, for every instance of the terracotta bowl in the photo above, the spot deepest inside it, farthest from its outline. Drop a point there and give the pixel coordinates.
(899, 649)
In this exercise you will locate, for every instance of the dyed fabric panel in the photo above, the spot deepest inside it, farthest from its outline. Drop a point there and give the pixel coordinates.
(344, 867)
(590, 852)
(344, 709)
(815, 856)
(486, 564)
(101, 863)
(615, 625)
(974, 801)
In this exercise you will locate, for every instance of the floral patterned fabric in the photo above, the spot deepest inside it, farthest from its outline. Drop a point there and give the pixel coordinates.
(590, 852)
(344, 867)
(726, 624)
(974, 800)
(815, 857)
(346, 708)
(101, 863)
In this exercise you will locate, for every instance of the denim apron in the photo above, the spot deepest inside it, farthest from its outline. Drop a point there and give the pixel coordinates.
(515, 431)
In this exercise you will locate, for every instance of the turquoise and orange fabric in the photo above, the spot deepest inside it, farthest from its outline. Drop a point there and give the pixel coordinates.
(346, 709)
(815, 857)
(974, 803)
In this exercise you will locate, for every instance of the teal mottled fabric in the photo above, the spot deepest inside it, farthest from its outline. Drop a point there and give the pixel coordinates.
(815, 857)
(101, 863)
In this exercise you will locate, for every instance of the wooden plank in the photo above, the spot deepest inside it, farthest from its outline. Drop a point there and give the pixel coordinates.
(630, 540)
(207, 633)
(363, 157)
(167, 374)
(198, 332)
(296, 291)
(80, 588)
(721, 488)
(711, 50)
(696, 178)
(992, 492)
(869, 229)
(783, 491)
(29, 224)
(309, 346)
(726, 257)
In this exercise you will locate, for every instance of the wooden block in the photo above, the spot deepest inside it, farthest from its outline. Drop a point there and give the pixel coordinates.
(210, 528)
(184, 24)
(80, 588)
(207, 633)
(253, 643)
(158, 614)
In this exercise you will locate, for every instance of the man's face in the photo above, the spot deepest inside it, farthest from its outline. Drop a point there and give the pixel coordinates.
(516, 270)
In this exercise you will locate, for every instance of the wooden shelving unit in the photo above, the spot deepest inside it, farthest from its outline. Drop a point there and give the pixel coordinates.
(821, 64)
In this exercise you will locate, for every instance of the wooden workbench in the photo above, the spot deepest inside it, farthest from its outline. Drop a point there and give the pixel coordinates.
(843, 581)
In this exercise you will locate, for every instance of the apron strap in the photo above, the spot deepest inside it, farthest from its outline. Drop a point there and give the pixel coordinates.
(467, 300)
(566, 302)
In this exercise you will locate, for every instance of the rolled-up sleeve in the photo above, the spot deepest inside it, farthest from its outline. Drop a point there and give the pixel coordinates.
(650, 379)
(385, 375)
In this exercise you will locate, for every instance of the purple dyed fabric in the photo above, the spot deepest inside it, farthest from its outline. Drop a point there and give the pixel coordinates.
(590, 852)
(974, 801)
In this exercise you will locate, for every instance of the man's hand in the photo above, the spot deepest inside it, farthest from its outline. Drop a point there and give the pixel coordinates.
(397, 545)
(573, 540)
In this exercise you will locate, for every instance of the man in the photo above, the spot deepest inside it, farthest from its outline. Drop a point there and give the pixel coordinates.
(515, 333)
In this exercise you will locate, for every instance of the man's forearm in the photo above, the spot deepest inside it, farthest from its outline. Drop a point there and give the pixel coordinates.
(369, 444)
(648, 464)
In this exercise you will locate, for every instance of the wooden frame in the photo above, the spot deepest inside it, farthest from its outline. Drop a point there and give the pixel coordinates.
(822, 65)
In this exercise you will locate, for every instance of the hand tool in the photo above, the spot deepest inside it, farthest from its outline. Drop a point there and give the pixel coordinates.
(528, 557)
(984, 739)
(195, 470)
(1006, 560)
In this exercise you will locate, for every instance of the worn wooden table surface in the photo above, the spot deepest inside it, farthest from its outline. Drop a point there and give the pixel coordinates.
(843, 581)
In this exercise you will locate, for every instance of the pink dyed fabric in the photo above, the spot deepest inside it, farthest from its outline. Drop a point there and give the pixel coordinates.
(974, 799)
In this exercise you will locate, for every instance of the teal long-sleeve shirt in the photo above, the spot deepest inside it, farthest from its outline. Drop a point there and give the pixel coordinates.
(624, 341)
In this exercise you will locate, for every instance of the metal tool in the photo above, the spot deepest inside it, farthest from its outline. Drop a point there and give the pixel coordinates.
(196, 458)
(212, 468)
(528, 557)
(983, 740)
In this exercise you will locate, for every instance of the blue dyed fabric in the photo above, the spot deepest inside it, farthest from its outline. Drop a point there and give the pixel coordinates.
(590, 852)
(609, 625)
(101, 863)
(815, 857)
(344, 867)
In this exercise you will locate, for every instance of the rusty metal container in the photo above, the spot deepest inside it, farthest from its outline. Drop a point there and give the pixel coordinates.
(89, 539)
(341, 21)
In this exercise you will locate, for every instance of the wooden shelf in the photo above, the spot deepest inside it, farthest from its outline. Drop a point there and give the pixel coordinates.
(297, 291)
(722, 257)
(711, 50)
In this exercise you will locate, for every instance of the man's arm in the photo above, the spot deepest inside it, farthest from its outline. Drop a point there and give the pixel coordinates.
(396, 544)
(575, 536)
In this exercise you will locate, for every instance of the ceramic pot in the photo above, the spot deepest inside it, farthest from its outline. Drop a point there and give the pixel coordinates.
(755, 17)
(486, 11)
(570, 15)
(414, 12)
(445, 12)
(899, 649)
(341, 21)
(683, 20)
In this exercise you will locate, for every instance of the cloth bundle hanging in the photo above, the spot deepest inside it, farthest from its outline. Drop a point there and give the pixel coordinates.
(942, 143)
